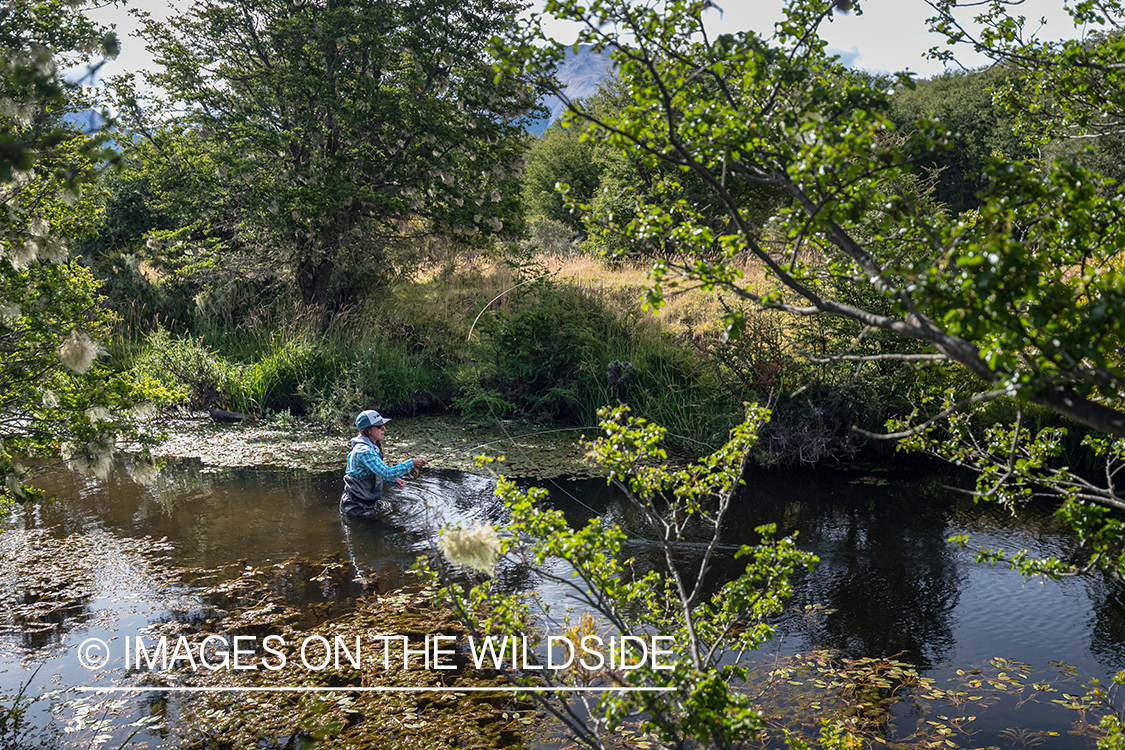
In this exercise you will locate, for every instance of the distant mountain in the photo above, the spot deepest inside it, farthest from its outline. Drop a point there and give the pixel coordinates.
(581, 72)
(90, 122)
(87, 120)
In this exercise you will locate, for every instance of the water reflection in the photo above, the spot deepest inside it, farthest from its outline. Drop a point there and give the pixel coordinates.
(885, 566)
(258, 516)
(895, 585)
(885, 569)
(1107, 636)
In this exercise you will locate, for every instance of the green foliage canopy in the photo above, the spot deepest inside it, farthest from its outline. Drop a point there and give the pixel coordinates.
(36, 37)
(339, 126)
(1020, 293)
(560, 157)
(964, 103)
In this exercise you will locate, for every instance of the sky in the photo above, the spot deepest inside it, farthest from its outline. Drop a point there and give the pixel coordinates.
(889, 36)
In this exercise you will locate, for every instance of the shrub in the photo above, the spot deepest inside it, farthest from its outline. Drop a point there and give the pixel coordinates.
(293, 373)
(190, 374)
(696, 696)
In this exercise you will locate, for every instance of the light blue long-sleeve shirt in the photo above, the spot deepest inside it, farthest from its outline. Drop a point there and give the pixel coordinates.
(366, 459)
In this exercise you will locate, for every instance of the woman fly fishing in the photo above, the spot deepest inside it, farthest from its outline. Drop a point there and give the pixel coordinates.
(366, 471)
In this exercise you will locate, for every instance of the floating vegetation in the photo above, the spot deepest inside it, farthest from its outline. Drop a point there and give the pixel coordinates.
(453, 444)
(297, 592)
(252, 444)
(802, 694)
(51, 585)
(359, 716)
(868, 479)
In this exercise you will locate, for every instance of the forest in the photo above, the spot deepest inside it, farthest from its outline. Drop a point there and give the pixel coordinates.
(307, 209)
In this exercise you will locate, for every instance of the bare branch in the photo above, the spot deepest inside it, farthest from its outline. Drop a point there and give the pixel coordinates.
(881, 357)
(975, 398)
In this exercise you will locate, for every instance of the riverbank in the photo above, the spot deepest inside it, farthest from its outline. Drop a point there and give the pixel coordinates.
(541, 339)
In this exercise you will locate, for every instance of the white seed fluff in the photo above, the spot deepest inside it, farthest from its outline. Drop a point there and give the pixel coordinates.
(78, 352)
(477, 547)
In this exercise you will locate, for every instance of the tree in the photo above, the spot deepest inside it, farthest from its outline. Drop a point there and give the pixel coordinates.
(54, 396)
(963, 103)
(340, 126)
(629, 179)
(37, 37)
(560, 157)
(160, 211)
(1022, 293)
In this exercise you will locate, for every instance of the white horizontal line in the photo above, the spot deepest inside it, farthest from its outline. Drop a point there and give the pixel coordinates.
(475, 689)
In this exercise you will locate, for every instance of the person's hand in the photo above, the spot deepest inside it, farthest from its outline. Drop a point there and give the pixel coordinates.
(400, 483)
(420, 462)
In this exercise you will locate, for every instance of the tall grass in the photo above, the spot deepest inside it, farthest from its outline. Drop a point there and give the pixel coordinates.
(485, 337)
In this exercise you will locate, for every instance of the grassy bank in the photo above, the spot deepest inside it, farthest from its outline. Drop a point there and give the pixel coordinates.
(542, 338)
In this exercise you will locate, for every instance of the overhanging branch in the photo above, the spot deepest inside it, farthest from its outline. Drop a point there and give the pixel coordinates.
(975, 398)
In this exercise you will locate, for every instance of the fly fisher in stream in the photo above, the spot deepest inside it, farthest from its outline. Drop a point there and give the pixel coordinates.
(366, 470)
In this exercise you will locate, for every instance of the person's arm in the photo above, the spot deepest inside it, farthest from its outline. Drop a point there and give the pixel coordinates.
(373, 462)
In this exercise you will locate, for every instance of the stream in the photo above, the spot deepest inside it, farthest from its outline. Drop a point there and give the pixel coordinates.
(888, 583)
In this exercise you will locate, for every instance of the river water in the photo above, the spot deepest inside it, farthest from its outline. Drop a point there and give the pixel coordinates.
(888, 581)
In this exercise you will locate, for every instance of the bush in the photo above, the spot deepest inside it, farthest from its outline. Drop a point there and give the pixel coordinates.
(696, 696)
(542, 350)
(293, 374)
(390, 374)
(564, 351)
(816, 424)
(190, 375)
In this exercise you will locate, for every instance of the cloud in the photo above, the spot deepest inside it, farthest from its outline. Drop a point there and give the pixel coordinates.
(848, 58)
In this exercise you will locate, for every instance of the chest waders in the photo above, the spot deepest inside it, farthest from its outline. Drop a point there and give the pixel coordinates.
(361, 496)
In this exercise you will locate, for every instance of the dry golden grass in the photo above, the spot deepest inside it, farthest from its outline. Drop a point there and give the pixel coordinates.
(464, 287)
(687, 310)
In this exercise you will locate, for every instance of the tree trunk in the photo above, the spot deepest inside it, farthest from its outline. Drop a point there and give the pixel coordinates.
(313, 273)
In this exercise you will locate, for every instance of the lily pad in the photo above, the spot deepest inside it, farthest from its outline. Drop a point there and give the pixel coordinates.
(522, 449)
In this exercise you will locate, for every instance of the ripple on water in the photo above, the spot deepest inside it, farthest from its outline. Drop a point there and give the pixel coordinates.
(999, 613)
